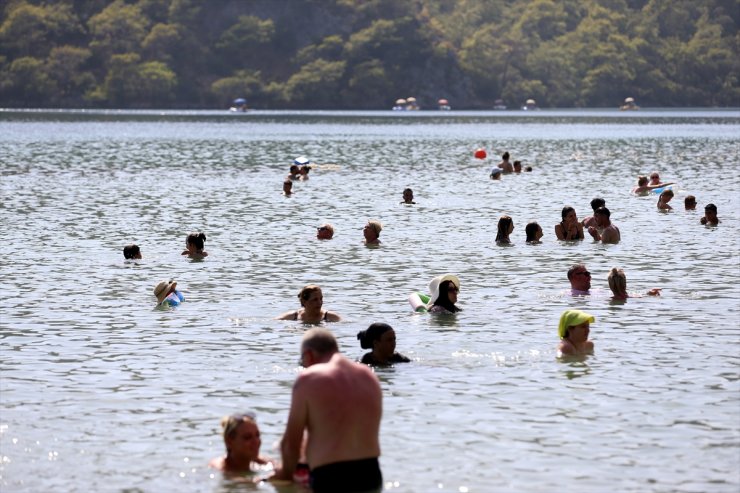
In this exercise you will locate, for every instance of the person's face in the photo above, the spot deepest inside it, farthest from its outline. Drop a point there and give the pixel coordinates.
(710, 215)
(246, 442)
(667, 198)
(578, 333)
(538, 234)
(517, 168)
(654, 179)
(324, 233)
(386, 345)
(511, 227)
(571, 217)
(287, 187)
(581, 279)
(314, 301)
(600, 219)
(369, 233)
(452, 291)
(690, 205)
(408, 196)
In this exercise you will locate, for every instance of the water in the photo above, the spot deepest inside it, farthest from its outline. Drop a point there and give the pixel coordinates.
(99, 391)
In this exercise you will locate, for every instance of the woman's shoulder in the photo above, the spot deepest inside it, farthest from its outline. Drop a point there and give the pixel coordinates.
(368, 359)
(399, 358)
(438, 309)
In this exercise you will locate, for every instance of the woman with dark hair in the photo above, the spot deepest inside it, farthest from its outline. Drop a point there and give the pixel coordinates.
(194, 245)
(534, 232)
(505, 228)
(381, 338)
(131, 252)
(569, 228)
(311, 312)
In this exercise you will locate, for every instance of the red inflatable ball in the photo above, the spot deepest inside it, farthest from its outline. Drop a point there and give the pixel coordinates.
(480, 153)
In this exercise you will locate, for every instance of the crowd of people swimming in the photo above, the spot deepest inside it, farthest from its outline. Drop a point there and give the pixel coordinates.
(340, 400)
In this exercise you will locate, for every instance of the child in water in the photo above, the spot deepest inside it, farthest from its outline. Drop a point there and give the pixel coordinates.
(663, 200)
(573, 330)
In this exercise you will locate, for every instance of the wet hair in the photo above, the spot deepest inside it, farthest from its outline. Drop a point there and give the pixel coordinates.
(505, 156)
(617, 280)
(377, 227)
(603, 211)
(574, 268)
(503, 228)
(443, 299)
(566, 210)
(531, 230)
(528, 168)
(711, 207)
(690, 199)
(294, 168)
(597, 202)
(198, 240)
(642, 180)
(131, 251)
(319, 340)
(288, 182)
(517, 163)
(373, 333)
(307, 291)
(230, 424)
(408, 190)
(666, 193)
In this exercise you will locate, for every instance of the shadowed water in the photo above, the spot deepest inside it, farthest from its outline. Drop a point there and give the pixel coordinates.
(100, 391)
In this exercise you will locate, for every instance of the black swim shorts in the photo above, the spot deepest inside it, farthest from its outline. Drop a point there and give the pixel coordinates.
(353, 476)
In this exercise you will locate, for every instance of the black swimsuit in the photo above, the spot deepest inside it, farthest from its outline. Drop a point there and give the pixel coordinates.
(579, 236)
(326, 313)
(352, 476)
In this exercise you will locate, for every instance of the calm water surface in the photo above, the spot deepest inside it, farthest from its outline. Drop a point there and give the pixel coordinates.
(100, 391)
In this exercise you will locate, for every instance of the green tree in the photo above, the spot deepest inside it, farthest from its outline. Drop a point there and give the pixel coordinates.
(316, 84)
(27, 82)
(162, 43)
(368, 85)
(242, 84)
(31, 30)
(131, 83)
(119, 28)
(65, 66)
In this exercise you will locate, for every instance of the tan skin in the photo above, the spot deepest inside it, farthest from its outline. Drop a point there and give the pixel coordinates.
(371, 237)
(243, 447)
(710, 217)
(384, 347)
(580, 280)
(312, 312)
(609, 232)
(576, 340)
(663, 202)
(570, 229)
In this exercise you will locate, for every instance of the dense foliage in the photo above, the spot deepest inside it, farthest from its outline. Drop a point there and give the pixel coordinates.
(368, 53)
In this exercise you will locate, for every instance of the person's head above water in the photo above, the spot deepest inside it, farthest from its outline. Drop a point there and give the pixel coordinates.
(408, 196)
(371, 231)
(241, 438)
(617, 281)
(195, 242)
(325, 232)
(443, 291)
(131, 251)
(579, 277)
(317, 346)
(311, 293)
(689, 203)
(573, 318)
(597, 202)
(505, 227)
(533, 231)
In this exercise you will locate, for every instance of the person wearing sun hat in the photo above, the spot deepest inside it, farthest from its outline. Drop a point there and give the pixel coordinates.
(166, 293)
(573, 330)
(443, 296)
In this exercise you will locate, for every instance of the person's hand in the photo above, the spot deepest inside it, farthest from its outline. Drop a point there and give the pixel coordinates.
(592, 231)
(654, 292)
(703, 220)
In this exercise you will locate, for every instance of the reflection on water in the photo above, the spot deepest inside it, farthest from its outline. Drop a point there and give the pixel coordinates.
(102, 392)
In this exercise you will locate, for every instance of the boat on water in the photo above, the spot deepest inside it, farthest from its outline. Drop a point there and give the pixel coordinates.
(239, 104)
(443, 105)
(400, 105)
(530, 105)
(629, 104)
(408, 104)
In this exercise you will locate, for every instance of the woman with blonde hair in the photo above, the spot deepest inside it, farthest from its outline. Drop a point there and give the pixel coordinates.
(311, 312)
(618, 284)
(242, 441)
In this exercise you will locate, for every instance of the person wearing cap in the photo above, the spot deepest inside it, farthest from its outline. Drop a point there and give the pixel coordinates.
(325, 232)
(604, 231)
(167, 294)
(381, 339)
(573, 330)
(311, 312)
(371, 231)
(495, 174)
(444, 291)
(242, 440)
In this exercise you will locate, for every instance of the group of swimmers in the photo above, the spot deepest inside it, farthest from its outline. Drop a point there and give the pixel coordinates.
(506, 166)
(666, 195)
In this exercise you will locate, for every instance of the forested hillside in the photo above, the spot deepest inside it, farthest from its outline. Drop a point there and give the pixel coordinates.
(364, 54)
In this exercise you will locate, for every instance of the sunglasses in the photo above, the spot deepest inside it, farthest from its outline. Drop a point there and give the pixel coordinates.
(248, 414)
(584, 273)
(453, 289)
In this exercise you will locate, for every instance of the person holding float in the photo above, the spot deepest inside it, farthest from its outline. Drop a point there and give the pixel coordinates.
(381, 338)
(167, 293)
(444, 290)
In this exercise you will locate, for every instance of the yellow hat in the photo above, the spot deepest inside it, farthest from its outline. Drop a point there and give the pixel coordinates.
(571, 318)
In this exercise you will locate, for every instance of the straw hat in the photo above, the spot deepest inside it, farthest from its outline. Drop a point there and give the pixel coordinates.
(434, 285)
(163, 288)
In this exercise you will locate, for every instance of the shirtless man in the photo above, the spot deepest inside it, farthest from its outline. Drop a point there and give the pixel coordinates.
(339, 404)
(609, 232)
(371, 232)
(591, 220)
(580, 280)
(505, 164)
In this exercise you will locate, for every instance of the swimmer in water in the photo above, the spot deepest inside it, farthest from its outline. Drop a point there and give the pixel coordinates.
(591, 220)
(194, 245)
(311, 312)
(242, 440)
(663, 200)
(167, 293)
(517, 166)
(689, 203)
(710, 215)
(408, 196)
(287, 187)
(505, 165)
(569, 228)
(444, 290)
(381, 338)
(371, 232)
(618, 284)
(534, 233)
(643, 187)
(131, 252)
(505, 227)
(295, 172)
(325, 232)
(604, 231)
(573, 330)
